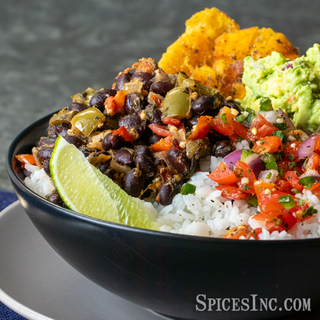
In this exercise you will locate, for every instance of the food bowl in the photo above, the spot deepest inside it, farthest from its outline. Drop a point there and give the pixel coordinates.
(182, 277)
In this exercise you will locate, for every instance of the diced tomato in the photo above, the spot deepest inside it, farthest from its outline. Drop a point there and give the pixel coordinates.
(164, 144)
(223, 175)
(293, 178)
(124, 133)
(236, 232)
(240, 129)
(26, 159)
(173, 121)
(115, 104)
(254, 234)
(291, 150)
(284, 186)
(202, 128)
(246, 176)
(317, 146)
(284, 166)
(222, 122)
(315, 189)
(231, 192)
(313, 163)
(268, 196)
(156, 98)
(276, 220)
(159, 130)
(260, 128)
(268, 144)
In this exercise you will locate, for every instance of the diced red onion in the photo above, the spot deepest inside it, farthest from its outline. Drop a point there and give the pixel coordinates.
(255, 163)
(307, 147)
(290, 65)
(231, 159)
(265, 173)
(290, 125)
(311, 173)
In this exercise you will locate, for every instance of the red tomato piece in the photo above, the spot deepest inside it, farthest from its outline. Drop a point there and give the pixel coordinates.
(284, 186)
(293, 178)
(26, 159)
(240, 129)
(246, 176)
(124, 133)
(223, 175)
(173, 121)
(317, 145)
(231, 192)
(202, 128)
(160, 130)
(268, 144)
(236, 232)
(164, 144)
(260, 128)
(291, 150)
(223, 121)
(313, 162)
(276, 220)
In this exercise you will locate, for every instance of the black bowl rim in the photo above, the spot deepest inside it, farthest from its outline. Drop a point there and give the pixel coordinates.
(9, 161)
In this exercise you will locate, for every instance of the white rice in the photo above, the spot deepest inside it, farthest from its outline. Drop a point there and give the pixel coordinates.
(206, 212)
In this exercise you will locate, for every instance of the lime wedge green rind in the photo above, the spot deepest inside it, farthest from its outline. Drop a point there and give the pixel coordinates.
(130, 212)
(84, 189)
(78, 186)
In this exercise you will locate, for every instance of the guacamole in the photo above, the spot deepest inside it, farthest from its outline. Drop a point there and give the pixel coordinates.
(292, 85)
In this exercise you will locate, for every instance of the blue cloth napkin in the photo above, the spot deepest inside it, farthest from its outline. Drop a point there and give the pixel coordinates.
(7, 198)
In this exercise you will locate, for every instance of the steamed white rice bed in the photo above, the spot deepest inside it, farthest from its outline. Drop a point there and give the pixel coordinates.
(204, 213)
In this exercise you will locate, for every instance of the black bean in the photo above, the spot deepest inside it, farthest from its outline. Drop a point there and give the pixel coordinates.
(223, 148)
(133, 103)
(161, 87)
(157, 116)
(124, 157)
(133, 182)
(144, 77)
(193, 121)
(133, 121)
(203, 104)
(232, 104)
(46, 141)
(75, 140)
(154, 138)
(77, 106)
(178, 161)
(44, 153)
(112, 141)
(55, 198)
(46, 167)
(99, 97)
(121, 80)
(166, 193)
(142, 149)
(55, 130)
(159, 162)
(145, 164)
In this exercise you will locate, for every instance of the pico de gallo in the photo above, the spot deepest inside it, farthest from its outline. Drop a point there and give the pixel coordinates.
(280, 163)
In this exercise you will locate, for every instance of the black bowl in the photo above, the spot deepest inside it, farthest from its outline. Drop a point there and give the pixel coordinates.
(183, 277)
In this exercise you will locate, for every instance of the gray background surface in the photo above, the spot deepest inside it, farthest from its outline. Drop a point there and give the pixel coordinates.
(52, 49)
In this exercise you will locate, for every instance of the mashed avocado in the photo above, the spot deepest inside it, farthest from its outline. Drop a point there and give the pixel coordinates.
(293, 86)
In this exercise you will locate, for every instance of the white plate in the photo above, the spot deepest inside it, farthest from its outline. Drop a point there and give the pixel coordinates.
(39, 285)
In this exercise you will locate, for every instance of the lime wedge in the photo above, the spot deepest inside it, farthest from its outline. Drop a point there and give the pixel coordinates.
(84, 189)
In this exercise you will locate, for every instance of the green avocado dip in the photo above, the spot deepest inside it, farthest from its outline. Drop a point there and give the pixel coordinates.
(292, 85)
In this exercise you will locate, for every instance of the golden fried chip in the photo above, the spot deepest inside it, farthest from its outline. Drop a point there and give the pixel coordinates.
(231, 48)
(194, 48)
(212, 48)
